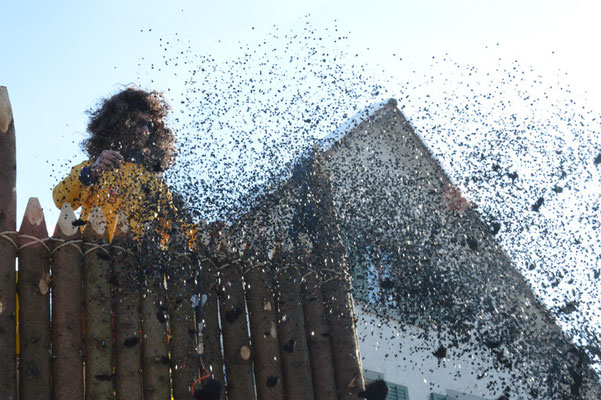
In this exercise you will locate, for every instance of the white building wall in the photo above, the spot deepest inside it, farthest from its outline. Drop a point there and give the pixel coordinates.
(405, 358)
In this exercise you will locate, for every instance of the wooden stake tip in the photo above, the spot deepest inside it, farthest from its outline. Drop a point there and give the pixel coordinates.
(6, 112)
(205, 238)
(271, 251)
(66, 220)
(122, 224)
(34, 212)
(97, 221)
(287, 245)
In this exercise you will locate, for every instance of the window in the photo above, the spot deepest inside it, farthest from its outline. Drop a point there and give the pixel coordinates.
(395, 392)
(453, 395)
(373, 277)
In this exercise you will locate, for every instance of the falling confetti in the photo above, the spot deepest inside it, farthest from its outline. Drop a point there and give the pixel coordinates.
(520, 149)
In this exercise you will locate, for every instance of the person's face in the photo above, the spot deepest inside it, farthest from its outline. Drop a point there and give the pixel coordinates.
(142, 126)
(140, 131)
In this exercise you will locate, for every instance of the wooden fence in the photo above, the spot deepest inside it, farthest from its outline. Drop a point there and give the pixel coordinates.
(100, 320)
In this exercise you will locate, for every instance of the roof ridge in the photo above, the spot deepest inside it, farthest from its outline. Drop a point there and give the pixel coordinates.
(327, 142)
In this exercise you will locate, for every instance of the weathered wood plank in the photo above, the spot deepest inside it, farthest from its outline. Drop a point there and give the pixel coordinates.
(34, 305)
(182, 285)
(155, 350)
(236, 342)
(98, 339)
(8, 252)
(260, 300)
(127, 346)
(293, 341)
(67, 300)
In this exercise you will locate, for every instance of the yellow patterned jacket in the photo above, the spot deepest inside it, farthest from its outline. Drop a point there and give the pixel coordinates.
(142, 195)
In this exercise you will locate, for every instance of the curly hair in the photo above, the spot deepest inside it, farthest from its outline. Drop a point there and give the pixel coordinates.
(112, 127)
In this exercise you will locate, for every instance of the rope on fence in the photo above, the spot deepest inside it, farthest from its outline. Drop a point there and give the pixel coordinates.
(95, 246)
(288, 267)
(34, 240)
(5, 235)
(184, 255)
(334, 274)
(207, 259)
(311, 271)
(330, 274)
(255, 266)
(121, 250)
(64, 243)
(238, 261)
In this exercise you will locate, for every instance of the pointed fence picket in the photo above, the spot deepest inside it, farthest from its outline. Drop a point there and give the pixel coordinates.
(236, 340)
(67, 295)
(8, 249)
(209, 318)
(33, 287)
(294, 351)
(263, 321)
(182, 284)
(126, 311)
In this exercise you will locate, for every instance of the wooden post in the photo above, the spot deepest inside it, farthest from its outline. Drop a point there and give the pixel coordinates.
(236, 343)
(128, 356)
(34, 304)
(337, 292)
(155, 351)
(98, 340)
(318, 335)
(67, 346)
(8, 250)
(263, 318)
(182, 286)
(212, 355)
(343, 337)
(293, 342)
(303, 232)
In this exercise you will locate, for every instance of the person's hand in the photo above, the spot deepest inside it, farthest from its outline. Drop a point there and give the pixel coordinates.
(106, 161)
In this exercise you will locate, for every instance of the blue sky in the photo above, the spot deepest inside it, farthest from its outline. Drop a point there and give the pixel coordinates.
(60, 57)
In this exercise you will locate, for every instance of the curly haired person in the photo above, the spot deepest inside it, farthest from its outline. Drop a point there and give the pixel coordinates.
(129, 147)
